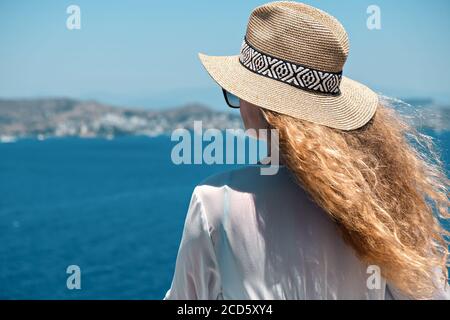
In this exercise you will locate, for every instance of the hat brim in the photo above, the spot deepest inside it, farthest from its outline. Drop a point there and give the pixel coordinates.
(350, 110)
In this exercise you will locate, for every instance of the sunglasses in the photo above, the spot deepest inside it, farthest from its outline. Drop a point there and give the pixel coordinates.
(232, 101)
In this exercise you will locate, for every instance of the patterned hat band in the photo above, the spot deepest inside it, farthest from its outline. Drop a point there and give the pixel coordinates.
(296, 75)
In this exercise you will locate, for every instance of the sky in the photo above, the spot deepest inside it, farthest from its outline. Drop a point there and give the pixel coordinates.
(140, 53)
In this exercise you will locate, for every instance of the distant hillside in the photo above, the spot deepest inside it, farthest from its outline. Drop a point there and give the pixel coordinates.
(69, 117)
(59, 117)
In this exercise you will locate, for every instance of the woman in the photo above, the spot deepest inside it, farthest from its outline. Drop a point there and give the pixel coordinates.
(353, 199)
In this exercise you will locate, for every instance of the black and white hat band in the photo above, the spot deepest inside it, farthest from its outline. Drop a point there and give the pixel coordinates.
(299, 76)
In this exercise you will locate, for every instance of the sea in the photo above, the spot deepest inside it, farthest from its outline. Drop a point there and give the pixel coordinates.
(115, 209)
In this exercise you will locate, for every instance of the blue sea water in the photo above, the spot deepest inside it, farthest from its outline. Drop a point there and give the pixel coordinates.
(114, 208)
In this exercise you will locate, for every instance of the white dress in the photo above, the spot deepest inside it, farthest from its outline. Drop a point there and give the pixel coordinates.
(250, 236)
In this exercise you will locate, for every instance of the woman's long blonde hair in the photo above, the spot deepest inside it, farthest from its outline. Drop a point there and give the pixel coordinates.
(385, 193)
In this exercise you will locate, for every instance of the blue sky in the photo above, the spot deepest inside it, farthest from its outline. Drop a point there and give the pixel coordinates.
(144, 53)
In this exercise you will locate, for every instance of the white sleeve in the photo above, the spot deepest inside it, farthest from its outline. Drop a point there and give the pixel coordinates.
(442, 293)
(196, 274)
(392, 293)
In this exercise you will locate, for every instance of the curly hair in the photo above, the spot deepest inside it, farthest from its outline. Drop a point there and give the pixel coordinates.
(387, 196)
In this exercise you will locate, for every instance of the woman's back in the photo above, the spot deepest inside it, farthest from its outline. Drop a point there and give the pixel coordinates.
(254, 236)
(250, 236)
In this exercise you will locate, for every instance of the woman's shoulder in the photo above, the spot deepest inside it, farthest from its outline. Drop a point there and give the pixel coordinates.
(234, 189)
(233, 173)
(241, 179)
(244, 180)
(213, 190)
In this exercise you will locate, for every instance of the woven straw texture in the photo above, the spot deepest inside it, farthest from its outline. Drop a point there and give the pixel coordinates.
(307, 36)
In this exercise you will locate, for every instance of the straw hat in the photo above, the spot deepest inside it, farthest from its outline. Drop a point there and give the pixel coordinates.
(291, 62)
